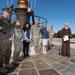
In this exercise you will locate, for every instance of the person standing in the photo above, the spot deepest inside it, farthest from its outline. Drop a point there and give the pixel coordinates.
(36, 33)
(26, 39)
(45, 36)
(51, 35)
(18, 36)
(66, 35)
(5, 39)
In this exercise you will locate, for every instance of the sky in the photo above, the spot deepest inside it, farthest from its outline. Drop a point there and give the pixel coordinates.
(57, 12)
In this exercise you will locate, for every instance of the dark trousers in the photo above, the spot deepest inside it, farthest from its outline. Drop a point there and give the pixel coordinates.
(26, 48)
(5, 52)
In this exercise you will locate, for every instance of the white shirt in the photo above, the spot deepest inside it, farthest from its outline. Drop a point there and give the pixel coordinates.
(25, 37)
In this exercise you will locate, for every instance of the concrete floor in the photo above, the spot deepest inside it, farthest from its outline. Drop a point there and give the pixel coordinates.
(50, 64)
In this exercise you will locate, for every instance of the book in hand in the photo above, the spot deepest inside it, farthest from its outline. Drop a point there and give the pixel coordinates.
(66, 38)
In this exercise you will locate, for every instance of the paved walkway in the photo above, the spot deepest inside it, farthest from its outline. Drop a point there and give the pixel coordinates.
(50, 64)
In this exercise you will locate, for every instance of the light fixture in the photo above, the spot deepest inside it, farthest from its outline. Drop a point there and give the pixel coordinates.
(29, 10)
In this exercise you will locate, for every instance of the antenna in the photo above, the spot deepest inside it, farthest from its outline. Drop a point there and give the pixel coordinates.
(11, 1)
(34, 3)
(28, 3)
(31, 3)
(7, 3)
(29, 10)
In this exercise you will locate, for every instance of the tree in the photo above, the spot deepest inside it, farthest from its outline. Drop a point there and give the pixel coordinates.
(57, 35)
(73, 35)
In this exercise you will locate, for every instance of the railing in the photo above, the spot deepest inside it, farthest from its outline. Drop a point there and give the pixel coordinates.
(41, 20)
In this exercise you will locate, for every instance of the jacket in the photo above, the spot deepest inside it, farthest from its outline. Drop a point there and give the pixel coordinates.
(45, 34)
(25, 36)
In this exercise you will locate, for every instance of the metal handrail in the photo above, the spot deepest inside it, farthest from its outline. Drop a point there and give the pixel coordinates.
(39, 18)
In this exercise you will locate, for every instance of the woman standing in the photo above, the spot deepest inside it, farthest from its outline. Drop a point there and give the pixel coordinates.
(45, 36)
(26, 39)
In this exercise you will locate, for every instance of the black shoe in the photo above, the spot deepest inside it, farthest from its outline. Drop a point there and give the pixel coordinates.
(9, 66)
(60, 51)
(49, 48)
(1, 66)
(26, 56)
(3, 70)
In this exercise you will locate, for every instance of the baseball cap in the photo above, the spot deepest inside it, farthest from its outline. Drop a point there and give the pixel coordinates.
(6, 9)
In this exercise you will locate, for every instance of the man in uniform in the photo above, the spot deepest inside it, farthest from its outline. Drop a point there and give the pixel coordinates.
(5, 39)
(36, 33)
(51, 34)
(18, 36)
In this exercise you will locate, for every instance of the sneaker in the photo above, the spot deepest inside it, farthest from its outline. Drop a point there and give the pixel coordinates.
(45, 52)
